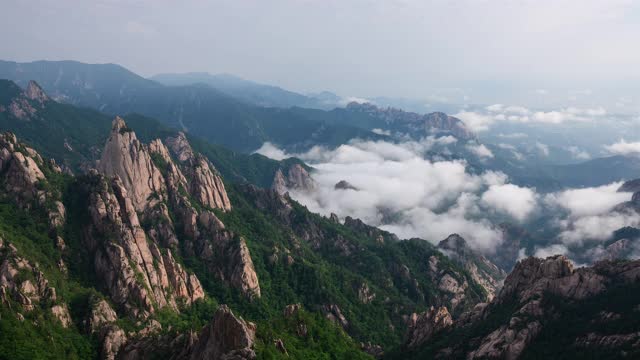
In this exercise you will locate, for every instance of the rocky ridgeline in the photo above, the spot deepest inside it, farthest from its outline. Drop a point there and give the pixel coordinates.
(297, 179)
(414, 124)
(483, 271)
(26, 104)
(146, 180)
(132, 239)
(24, 284)
(529, 291)
(225, 337)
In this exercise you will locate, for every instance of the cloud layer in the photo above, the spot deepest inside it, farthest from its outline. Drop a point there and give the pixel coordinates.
(404, 193)
(482, 119)
(401, 191)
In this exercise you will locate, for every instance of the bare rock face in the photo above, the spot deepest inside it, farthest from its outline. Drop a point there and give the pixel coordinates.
(204, 182)
(34, 92)
(61, 312)
(243, 274)
(507, 342)
(423, 326)
(413, 124)
(23, 282)
(21, 166)
(226, 337)
(530, 296)
(234, 264)
(482, 271)
(334, 314)
(127, 158)
(113, 339)
(26, 104)
(101, 314)
(297, 178)
(133, 269)
(226, 255)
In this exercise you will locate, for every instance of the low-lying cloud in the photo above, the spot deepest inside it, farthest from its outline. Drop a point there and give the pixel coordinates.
(402, 191)
(623, 148)
(482, 120)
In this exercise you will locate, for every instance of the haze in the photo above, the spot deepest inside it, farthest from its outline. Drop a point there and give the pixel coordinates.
(536, 53)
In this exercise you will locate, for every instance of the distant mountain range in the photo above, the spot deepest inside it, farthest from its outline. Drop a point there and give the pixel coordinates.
(252, 92)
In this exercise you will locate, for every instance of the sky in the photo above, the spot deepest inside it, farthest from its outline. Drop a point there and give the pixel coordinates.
(523, 52)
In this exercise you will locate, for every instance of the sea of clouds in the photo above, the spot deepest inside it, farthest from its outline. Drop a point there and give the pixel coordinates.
(401, 190)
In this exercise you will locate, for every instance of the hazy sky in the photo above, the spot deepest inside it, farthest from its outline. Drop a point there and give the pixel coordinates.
(353, 47)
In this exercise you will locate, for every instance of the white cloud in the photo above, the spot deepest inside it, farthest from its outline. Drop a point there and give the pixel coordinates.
(578, 153)
(404, 193)
(514, 200)
(541, 91)
(480, 151)
(482, 120)
(555, 249)
(542, 148)
(271, 151)
(381, 132)
(596, 227)
(623, 148)
(588, 201)
(589, 213)
(513, 136)
(475, 121)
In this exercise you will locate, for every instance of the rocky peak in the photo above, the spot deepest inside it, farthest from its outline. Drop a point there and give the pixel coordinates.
(436, 123)
(226, 337)
(128, 159)
(23, 282)
(455, 244)
(297, 178)
(205, 184)
(535, 275)
(630, 186)
(344, 185)
(528, 304)
(34, 92)
(482, 271)
(423, 326)
(21, 168)
(181, 147)
(137, 275)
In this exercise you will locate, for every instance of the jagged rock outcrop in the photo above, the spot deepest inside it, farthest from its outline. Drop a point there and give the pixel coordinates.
(24, 284)
(413, 124)
(100, 315)
(127, 158)
(133, 269)
(621, 249)
(297, 178)
(483, 271)
(359, 226)
(153, 183)
(345, 185)
(226, 337)
(22, 168)
(540, 294)
(204, 182)
(34, 92)
(26, 103)
(334, 314)
(423, 326)
(631, 186)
